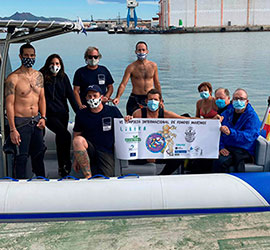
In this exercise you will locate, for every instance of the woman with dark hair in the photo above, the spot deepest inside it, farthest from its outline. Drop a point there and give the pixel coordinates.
(57, 91)
(206, 107)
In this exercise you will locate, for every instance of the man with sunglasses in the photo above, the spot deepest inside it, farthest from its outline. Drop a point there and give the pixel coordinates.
(92, 74)
(239, 131)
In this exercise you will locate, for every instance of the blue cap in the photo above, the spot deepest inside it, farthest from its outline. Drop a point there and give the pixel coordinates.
(94, 88)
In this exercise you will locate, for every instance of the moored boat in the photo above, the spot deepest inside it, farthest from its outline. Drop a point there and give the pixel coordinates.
(120, 30)
(111, 31)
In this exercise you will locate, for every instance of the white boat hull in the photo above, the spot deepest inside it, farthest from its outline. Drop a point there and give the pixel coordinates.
(39, 200)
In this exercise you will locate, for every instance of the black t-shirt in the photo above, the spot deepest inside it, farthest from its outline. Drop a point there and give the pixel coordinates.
(222, 109)
(98, 128)
(236, 116)
(84, 77)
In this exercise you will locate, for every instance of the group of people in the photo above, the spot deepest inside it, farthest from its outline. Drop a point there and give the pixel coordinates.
(38, 99)
(240, 127)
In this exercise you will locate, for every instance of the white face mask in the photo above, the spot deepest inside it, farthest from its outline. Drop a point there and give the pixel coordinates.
(54, 68)
(92, 62)
(94, 103)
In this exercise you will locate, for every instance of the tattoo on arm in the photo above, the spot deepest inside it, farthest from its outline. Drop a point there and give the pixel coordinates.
(83, 161)
(9, 88)
(40, 82)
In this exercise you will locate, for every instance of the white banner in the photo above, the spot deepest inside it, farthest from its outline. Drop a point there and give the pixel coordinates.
(166, 138)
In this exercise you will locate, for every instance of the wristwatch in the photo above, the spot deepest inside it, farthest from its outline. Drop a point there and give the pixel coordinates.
(44, 117)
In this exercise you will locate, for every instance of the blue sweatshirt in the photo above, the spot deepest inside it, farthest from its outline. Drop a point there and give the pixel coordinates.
(244, 133)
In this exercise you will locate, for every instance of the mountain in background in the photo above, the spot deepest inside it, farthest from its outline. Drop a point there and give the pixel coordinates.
(30, 17)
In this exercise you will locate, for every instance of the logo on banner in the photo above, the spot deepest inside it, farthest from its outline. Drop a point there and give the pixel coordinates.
(155, 143)
(190, 134)
(134, 139)
(158, 142)
(196, 151)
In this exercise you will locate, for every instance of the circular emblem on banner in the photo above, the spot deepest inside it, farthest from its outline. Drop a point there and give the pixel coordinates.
(190, 134)
(155, 142)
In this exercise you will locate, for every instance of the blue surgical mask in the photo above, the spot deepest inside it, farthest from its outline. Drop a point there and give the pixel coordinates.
(239, 104)
(153, 105)
(141, 56)
(204, 94)
(220, 103)
(28, 62)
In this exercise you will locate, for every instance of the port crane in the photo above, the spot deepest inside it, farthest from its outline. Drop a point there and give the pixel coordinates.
(131, 16)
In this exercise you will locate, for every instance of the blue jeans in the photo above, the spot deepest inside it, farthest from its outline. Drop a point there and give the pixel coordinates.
(31, 144)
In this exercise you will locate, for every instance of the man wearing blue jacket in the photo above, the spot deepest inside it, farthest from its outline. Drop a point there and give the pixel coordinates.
(239, 131)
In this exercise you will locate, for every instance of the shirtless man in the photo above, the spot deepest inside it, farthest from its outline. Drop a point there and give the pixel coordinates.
(26, 109)
(143, 74)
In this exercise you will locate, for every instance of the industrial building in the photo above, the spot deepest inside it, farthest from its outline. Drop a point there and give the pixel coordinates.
(200, 13)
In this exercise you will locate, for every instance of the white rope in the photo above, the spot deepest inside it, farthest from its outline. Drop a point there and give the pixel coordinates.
(23, 23)
(9, 22)
(51, 24)
(37, 23)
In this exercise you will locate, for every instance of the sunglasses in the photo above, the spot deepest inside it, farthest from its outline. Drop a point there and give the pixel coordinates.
(91, 57)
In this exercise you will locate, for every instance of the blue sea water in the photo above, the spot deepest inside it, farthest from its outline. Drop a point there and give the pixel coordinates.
(230, 60)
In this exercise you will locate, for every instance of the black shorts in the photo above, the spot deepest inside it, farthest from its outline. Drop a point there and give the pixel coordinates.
(135, 102)
(100, 162)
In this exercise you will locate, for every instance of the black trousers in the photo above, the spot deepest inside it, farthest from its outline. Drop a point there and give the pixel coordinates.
(59, 124)
(135, 102)
(170, 164)
(236, 158)
(200, 166)
(100, 162)
(31, 144)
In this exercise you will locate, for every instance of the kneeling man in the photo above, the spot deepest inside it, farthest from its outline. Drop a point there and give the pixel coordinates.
(239, 131)
(94, 135)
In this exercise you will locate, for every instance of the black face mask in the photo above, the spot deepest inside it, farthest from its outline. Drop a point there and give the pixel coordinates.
(28, 62)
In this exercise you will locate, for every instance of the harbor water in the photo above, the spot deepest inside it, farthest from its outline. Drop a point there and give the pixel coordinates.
(230, 60)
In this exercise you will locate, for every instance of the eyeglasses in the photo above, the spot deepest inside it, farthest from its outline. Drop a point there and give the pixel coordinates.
(91, 57)
(239, 98)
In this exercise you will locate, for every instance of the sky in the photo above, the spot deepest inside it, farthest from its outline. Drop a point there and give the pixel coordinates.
(71, 9)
